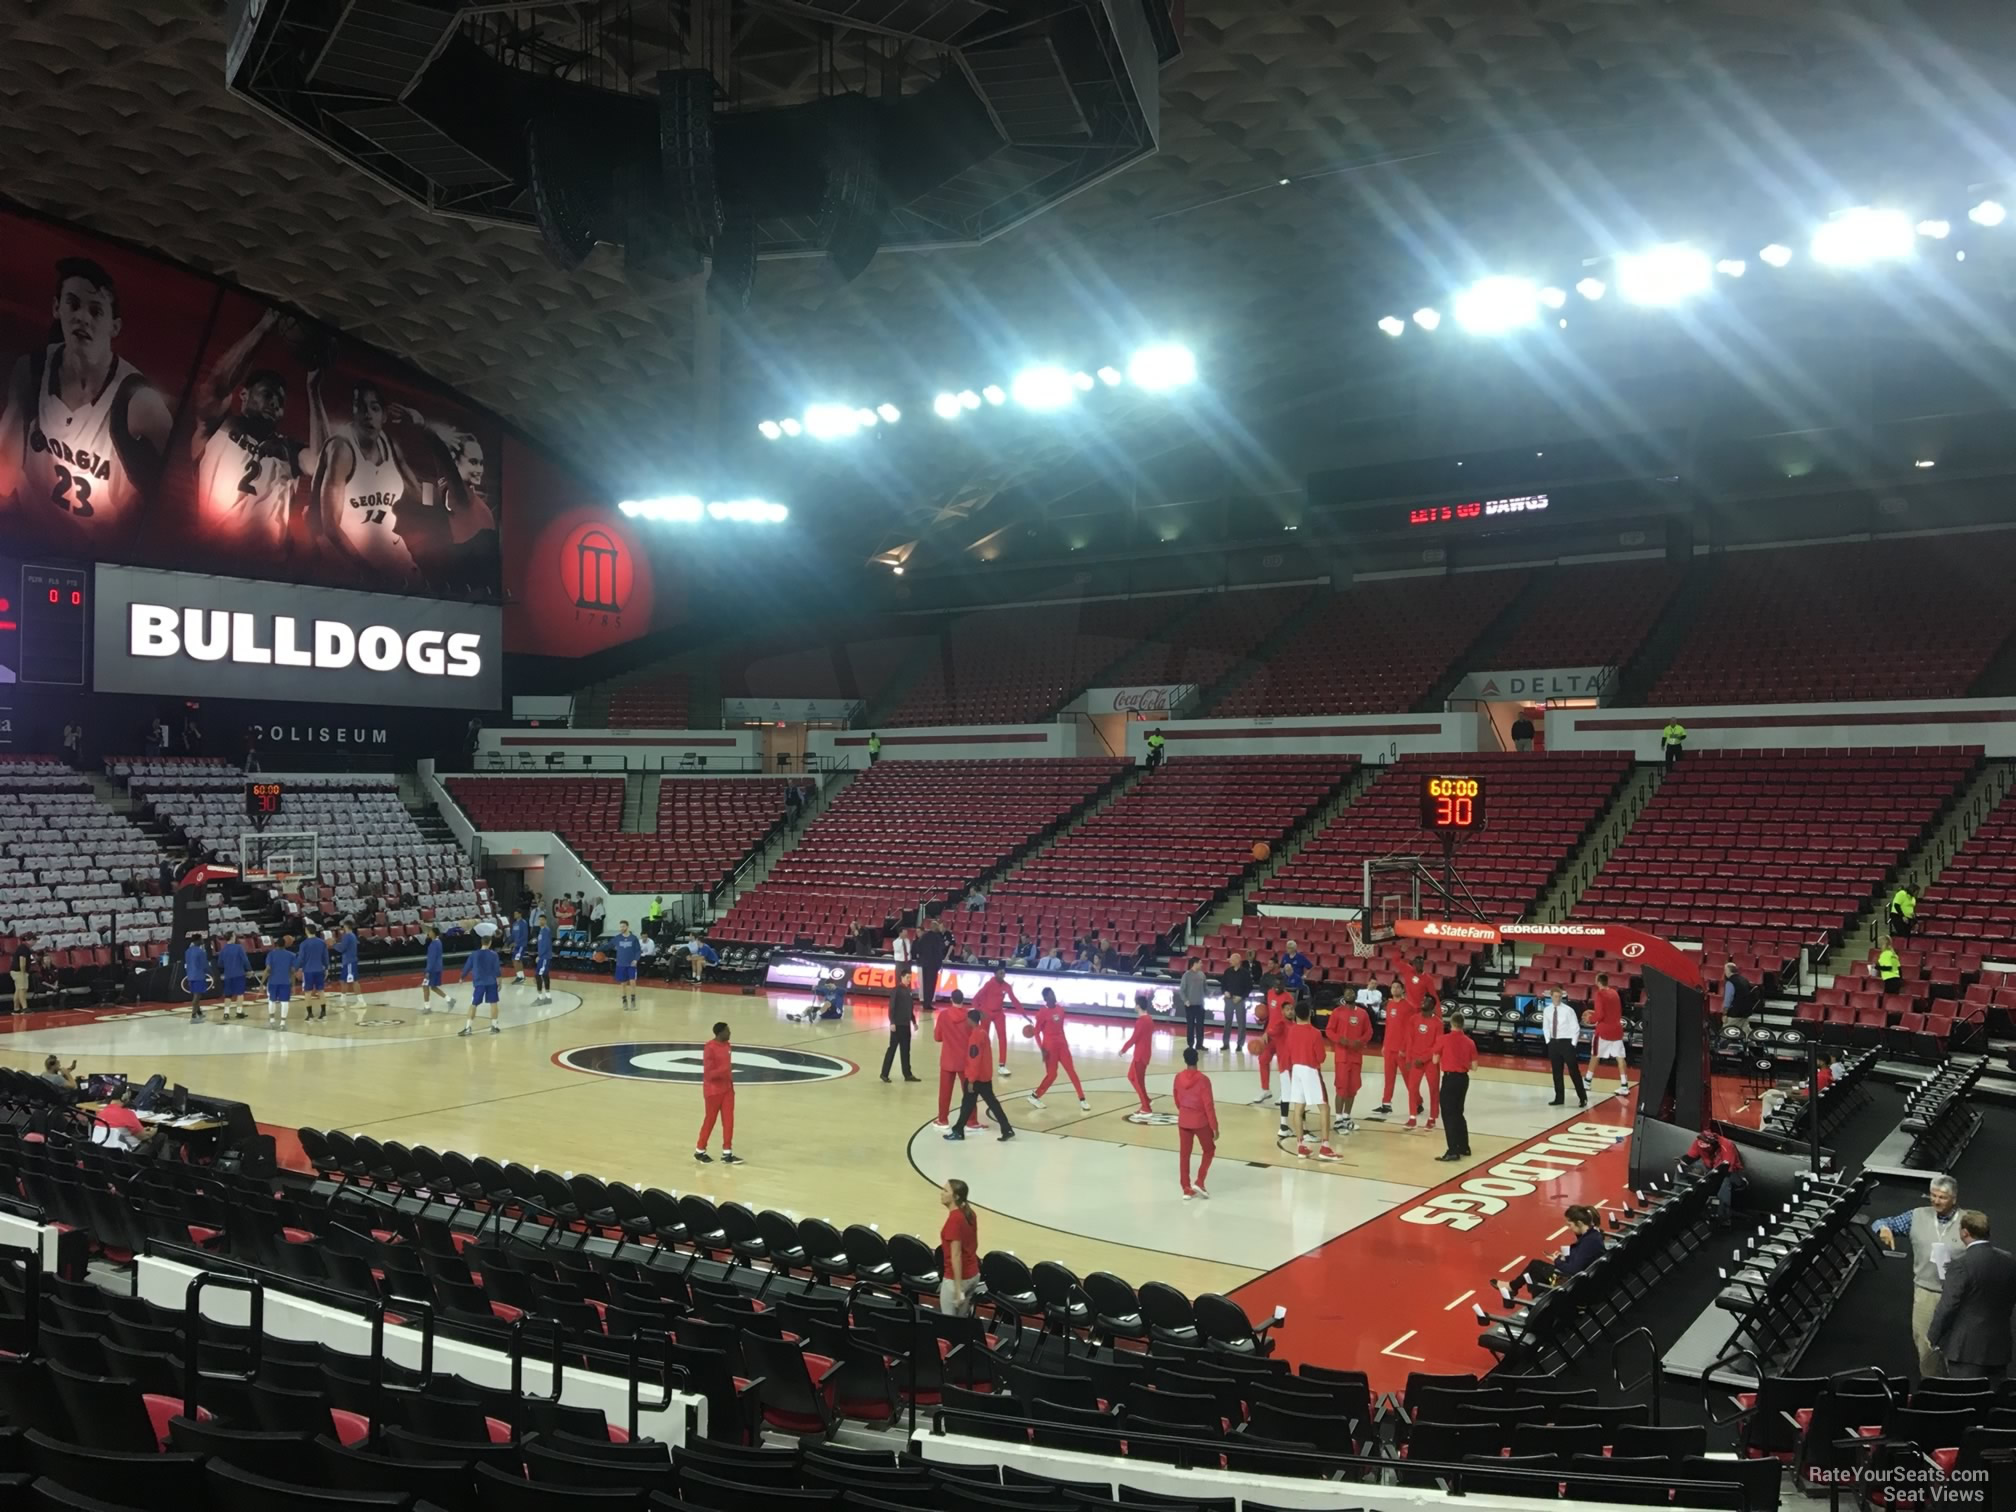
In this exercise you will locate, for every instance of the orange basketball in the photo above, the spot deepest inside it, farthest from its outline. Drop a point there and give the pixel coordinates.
(1262, 850)
(1028, 1031)
(598, 958)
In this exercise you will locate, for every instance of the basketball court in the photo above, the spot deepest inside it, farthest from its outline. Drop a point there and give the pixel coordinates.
(578, 1084)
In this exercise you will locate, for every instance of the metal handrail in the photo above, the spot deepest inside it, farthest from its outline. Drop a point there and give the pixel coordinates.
(193, 1373)
(917, 1340)
(1185, 1449)
(559, 1366)
(1651, 1374)
(668, 1372)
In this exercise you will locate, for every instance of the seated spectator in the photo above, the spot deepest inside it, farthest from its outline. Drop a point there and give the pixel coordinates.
(1718, 1153)
(1050, 960)
(1584, 1224)
(119, 1126)
(976, 900)
(53, 1072)
(701, 955)
(1025, 952)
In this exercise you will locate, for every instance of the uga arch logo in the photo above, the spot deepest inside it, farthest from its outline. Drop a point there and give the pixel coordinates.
(597, 569)
(680, 1062)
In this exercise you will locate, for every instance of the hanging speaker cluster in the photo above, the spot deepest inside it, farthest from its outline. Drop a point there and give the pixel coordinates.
(673, 193)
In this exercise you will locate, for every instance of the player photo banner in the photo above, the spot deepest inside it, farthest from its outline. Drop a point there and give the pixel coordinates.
(300, 456)
(97, 344)
(152, 415)
(178, 634)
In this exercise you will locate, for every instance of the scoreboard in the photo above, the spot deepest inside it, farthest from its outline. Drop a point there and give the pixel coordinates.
(55, 607)
(1452, 805)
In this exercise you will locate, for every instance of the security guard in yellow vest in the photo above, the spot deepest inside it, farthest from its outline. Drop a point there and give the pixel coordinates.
(874, 749)
(1155, 744)
(1903, 911)
(1673, 737)
(1890, 968)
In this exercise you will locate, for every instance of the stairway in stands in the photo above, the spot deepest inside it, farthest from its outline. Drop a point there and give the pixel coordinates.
(834, 784)
(1954, 828)
(1234, 908)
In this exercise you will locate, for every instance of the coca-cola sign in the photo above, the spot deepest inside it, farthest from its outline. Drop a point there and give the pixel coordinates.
(1165, 699)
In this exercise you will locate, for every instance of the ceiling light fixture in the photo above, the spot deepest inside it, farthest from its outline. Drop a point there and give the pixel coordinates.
(1496, 304)
(1664, 275)
(1855, 238)
(1045, 387)
(1777, 255)
(1163, 365)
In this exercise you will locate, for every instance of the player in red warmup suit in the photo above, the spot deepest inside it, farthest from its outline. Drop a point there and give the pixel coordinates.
(1302, 1060)
(1609, 1026)
(1349, 1033)
(1056, 1051)
(949, 1029)
(1196, 1121)
(717, 1087)
(993, 994)
(1423, 1051)
(1280, 1015)
(1403, 1006)
(1140, 1042)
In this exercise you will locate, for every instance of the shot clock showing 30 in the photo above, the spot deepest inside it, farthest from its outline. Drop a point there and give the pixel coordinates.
(1452, 805)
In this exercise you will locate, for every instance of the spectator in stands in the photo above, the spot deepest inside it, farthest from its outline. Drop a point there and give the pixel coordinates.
(874, 748)
(653, 914)
(1155, 752)
(1522, 732)
(1903, 912)
(1718, 1154)
(1735, 992)
(1294, 965)
(930, 950)
(1190, 993)
(1237, 981)
(597, 912)
(19, 967)
(157, 737)
(960, 1241)
(250, 761)
(55, 1075)
(1561, 1029)
(192, 732)
(1025, 951)
(1934, 1232)
(857, 940)
(901, 944)
(1673, 740)
(902, 1020)
(1049, 960)
(1576, 1256)
(119, 1126)
(73, 744)
(1108, 958)
(976, 900)
(1890, 968)
(1970, 1327)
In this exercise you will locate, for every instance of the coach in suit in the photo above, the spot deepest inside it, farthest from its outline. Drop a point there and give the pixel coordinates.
(1971, 1326)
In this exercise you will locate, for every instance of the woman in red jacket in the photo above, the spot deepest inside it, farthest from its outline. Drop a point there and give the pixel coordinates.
(959, 1251)
(1196, 1121)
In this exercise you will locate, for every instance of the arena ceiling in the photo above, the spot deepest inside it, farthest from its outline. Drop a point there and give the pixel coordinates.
(1425, 141)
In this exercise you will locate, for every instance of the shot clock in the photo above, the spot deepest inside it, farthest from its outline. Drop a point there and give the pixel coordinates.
(262, 800)
(1452, 805)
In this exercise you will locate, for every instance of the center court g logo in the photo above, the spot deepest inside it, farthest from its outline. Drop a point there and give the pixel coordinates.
(679, 1062)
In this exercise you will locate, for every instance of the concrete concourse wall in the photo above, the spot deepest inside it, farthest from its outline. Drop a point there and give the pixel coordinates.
(1989, 723)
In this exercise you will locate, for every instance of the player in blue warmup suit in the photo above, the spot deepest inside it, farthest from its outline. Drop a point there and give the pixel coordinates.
(196, 976)
(346, 950)
(313, 958)
(627, 949)
(542, 953)
(233, 967)
(480, 971)
(279, 982)
(430, 981)
(521, 931)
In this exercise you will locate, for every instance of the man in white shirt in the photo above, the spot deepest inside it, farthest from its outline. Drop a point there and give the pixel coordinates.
(1561, 1027)
(1370, 998)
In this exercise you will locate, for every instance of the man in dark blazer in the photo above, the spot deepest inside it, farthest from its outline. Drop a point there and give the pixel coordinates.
(1971, 1326)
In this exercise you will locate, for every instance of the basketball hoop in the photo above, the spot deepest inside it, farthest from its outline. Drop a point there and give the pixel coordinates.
(1359, 947)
